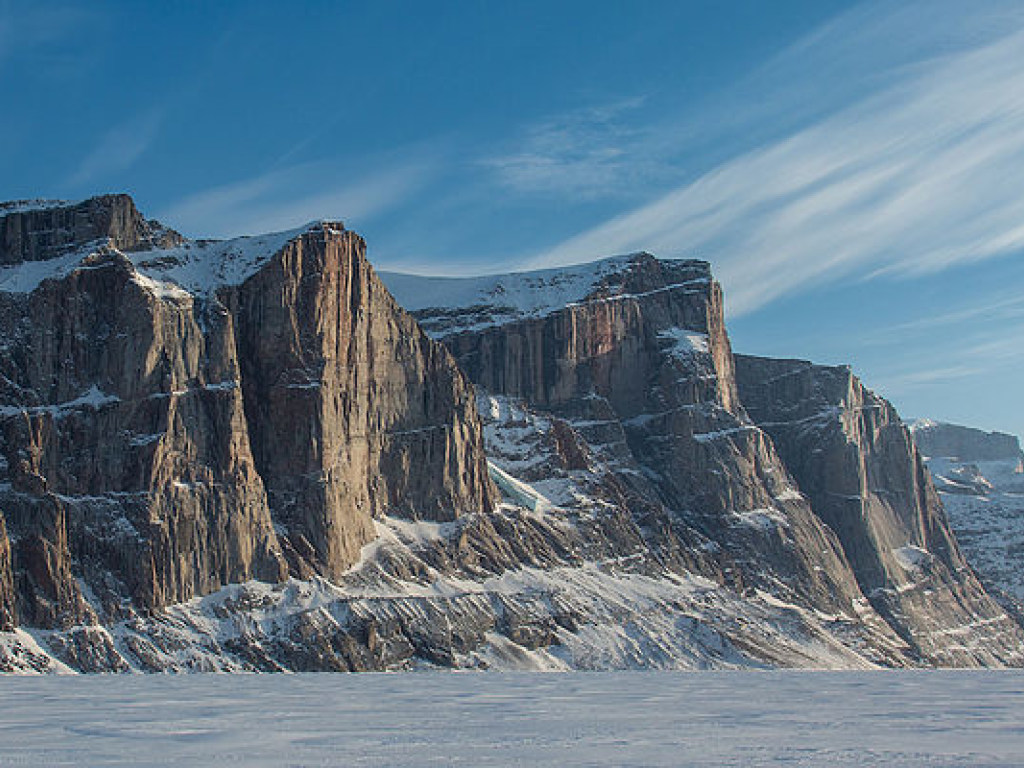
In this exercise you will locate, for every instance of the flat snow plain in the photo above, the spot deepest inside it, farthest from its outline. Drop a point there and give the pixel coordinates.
(434, 718)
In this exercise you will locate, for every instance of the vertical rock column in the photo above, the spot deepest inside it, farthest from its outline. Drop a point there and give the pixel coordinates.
(8, 615)
(126, 447)
(353, 412)
(856, 462)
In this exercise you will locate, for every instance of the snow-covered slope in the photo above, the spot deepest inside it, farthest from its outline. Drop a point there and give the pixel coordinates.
(449, 305)
(980, 477)
(584, 612)
(195, 267)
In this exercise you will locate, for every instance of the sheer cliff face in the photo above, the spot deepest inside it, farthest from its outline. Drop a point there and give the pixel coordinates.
(643, 356)
(351, 408)
(857, 463)
(980, 479)
(123, 422)
(8, 614)
(964, 444)
(152, 436)
(40, 230)
(180, 416)
(819, 499)
(617, 336)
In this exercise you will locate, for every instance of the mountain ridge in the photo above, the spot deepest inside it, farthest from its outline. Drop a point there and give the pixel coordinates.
(264, 407)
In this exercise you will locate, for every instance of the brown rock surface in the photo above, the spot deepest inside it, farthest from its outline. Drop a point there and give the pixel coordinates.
(142, 425)
(352, 410)
(118, 416)
(638, 367)
(8, 613)
(30, 233)
(647, 351)
(857, 463)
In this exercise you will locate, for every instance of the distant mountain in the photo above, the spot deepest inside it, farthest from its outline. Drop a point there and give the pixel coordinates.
(247, 455)
(980, 477)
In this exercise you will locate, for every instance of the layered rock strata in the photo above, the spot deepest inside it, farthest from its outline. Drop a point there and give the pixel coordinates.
(632, 356)
(857, 464)
(639, 366)
(173, 420)
(37, 230)
(244, 455)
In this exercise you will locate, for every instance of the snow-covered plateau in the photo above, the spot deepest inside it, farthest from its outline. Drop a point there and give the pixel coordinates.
(576, 719)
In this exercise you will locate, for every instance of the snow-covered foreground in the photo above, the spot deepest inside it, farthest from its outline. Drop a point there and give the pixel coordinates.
(433, 718)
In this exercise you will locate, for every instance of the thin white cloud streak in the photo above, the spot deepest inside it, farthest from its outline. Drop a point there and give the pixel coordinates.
(920, 177)
(918, 378)
(991, 353)
(25, 27)
(590, 152)
(290, 197)
(994, 309)
(118, 149)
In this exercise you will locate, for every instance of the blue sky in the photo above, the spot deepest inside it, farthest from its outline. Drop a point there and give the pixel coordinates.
(852, 170)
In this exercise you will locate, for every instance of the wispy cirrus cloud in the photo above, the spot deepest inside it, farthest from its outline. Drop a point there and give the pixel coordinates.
(995, 309)
(589, 152)
(118, 149)
(917, 176)
(917, 377)
(986, 353)
(43, 31)
(289, 197)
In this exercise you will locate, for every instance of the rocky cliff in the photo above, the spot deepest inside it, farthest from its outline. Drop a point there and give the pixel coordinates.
(351, 408)
(176, 416)
(38, 230)
(244, 455)
(642, 357)
(8, 614)
(965, 444)
(630, 359)
(857, 464)
(799, 481)
(980, 479)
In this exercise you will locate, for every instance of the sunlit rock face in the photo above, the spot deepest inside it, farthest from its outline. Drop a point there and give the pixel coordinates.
(178, 416)
(857, 464)
(644, 354)
(38, 230)
(352, 410)
(797, 479)
(245, 455)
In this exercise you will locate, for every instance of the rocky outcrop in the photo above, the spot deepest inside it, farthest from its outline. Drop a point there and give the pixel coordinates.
(153, 436)
(8, 613)
(965, 444)
(980, 479)
(41, 230)
(244, 455)
(123, 431)
(640, 364)
(819, 499)
(352, 410)
(857, 463)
